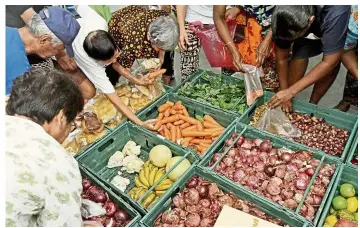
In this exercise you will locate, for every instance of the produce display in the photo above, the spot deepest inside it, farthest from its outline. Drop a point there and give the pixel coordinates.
(315, 132)
(88, 129)
(200, 204)
(344, 208)
(175, 124)
(96, 206)
(218, 92)
(280, 175)
(160, 161)
(354, 160)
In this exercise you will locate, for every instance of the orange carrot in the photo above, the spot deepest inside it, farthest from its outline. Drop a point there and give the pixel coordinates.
(168, 125)
(178, 106)
(157, 125)
(173, 133)
(205, 145)
(212, 130)
(172, 111)
(163, 107)
(214, 138)
(195, 133)
(199, 126)
(201, 149)
(216, 133)
(167, 112)
(170, 119)
(184, 125)
(188, 119)
(179, 112)
(198, 141)
(185, 111)
(170, 103)
(211, 120)
(155, 74)
(167, 133)
(162, 133)
(193, 127)
(185, 141)
(207, 124)
(179, 122)
(178, 133)
(160, 116)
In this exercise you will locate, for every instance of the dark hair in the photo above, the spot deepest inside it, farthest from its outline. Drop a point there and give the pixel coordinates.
(288, 22)
(41, 93)
(100, 45)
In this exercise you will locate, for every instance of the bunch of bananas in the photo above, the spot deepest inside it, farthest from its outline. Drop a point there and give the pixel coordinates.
(147, 177)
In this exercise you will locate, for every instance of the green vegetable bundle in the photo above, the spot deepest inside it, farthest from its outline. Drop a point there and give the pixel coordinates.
(214, 90)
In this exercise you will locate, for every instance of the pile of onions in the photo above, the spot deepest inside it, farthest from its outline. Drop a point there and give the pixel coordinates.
(280, 175)
(316, 133)
(114, 216)
(200, 204)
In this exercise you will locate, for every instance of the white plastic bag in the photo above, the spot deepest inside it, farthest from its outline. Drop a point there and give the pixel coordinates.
(275, 121)
(252, 83)
(91, 209)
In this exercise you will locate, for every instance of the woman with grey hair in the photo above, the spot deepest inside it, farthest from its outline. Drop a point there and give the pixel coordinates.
(143, 33)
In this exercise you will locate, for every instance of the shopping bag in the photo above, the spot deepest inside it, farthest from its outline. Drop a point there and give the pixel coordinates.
(275, 121)
(214, 48)
(253, 86)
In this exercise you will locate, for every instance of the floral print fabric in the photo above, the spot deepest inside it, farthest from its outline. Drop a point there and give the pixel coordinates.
(43, 182)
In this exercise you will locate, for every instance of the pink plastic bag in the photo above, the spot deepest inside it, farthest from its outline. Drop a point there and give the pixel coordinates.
(214, 48)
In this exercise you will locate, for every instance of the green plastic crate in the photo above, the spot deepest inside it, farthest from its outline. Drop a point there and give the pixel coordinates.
(353, 149)
(277, 142)
(227, 79)
(194, 108)
(347, 174)
(191, 77)
(288, 218)
(133, 214)
(90, 146)
(97, 158)
(333, 117)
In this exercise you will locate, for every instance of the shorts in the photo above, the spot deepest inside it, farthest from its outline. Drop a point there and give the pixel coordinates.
(306, 48)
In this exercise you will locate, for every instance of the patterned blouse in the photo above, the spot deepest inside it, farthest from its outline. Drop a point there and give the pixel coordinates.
(128, 26)
(43, 182)
(262, 13)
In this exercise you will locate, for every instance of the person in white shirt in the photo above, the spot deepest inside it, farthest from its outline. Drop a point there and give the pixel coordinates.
(93, 32)
(43, 182)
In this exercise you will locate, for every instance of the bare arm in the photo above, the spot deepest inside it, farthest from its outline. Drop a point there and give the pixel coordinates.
(181, 12)
(127, 74)
(282, 63)
(27, 14)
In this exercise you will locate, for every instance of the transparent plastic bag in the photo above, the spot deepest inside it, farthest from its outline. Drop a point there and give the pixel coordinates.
(252, 83)
(214, 48)
(275, 121)
(91, 209)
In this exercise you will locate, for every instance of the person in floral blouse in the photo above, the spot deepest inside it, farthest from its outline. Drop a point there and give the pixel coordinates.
(43, 182)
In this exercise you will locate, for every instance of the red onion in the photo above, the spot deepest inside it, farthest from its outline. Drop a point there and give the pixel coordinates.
(258, 142)
(301, 184)
(291, 204)
(266, 146)
(309, 172)
(263, 156)
(229, 142)
(273, 189)
(179, 201)
(273, 159)
(207, 222)
(192, 220)
(203, 191)
(246, 145)
(121, 216)
(229, 161)
(254, 151)
(317, 200)
(192, 182)
(276, 181)
(269, 170)
(240, 141)
(225, 200)
(287, 193)
(213, 191)
(291, 167)
(111, 208)
(86, 184)
(280, 171)
(216, 156)
(232, 152)
(97, 195)
(205, 203)
(191, 196)
(286, 157)
(170, 217)
(239, 175)
(259, 166)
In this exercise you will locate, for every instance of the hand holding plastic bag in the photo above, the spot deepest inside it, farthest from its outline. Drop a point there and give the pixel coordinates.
(252, 83)
(275, 121)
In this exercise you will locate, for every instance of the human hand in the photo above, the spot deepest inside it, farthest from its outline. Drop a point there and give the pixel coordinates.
(65, 62)
(287, 106)
(149, 124)
(280, 98)
(232, 13)
(145, 80)
(263, 51)
(183, 40)
(236, 57)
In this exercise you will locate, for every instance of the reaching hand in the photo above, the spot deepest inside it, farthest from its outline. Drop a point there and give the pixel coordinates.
(262, 52)
(149, 124)
(287, 106)
(280, 98)
(232, 13)
(66, 63)
(236, 57)
(145, 81)
(183, 40)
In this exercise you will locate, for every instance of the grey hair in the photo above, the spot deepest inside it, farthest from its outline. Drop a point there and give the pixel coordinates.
(164, 33)
(38, 28)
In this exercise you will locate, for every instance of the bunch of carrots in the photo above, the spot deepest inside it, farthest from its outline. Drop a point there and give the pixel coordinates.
(175, 124)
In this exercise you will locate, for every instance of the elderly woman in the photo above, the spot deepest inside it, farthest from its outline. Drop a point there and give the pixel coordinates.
(43, 182)
(143, 33)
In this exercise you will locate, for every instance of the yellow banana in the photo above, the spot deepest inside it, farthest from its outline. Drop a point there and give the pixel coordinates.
(166, 181)
(147, 163)
(138, 183)
(162, 187)
(152, 203)
(139, 193)
(147, 173)
(159, 193)
(151, 166)
(148, 200)
(143, 178)
(152, 175)
(159, 174)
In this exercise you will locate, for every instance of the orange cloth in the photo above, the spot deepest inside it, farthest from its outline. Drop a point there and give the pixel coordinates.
(252, 39)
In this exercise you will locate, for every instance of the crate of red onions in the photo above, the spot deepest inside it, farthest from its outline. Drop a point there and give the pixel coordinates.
(328, 130)
(101, 205)
(199, 198)
(289, 175)
(352, 158)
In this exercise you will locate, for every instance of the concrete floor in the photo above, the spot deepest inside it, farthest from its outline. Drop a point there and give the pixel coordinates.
(331, 98)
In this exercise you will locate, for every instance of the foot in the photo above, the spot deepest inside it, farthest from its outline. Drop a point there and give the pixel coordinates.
(343, 106)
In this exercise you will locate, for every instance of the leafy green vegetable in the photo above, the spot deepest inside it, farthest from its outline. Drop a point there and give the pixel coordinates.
(200, 118)
(216, 91)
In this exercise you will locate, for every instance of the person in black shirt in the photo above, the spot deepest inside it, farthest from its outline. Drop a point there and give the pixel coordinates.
(310, 30)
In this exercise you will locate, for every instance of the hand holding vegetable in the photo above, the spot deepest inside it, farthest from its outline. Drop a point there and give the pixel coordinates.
(280, 98)
(263, 51)
(232, 13)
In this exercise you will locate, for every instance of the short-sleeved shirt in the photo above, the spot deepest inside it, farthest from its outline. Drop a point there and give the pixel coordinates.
(95, 72)
(128, 27)
(13, 13)
(17, 62)
(330, 25)
(43, 182)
